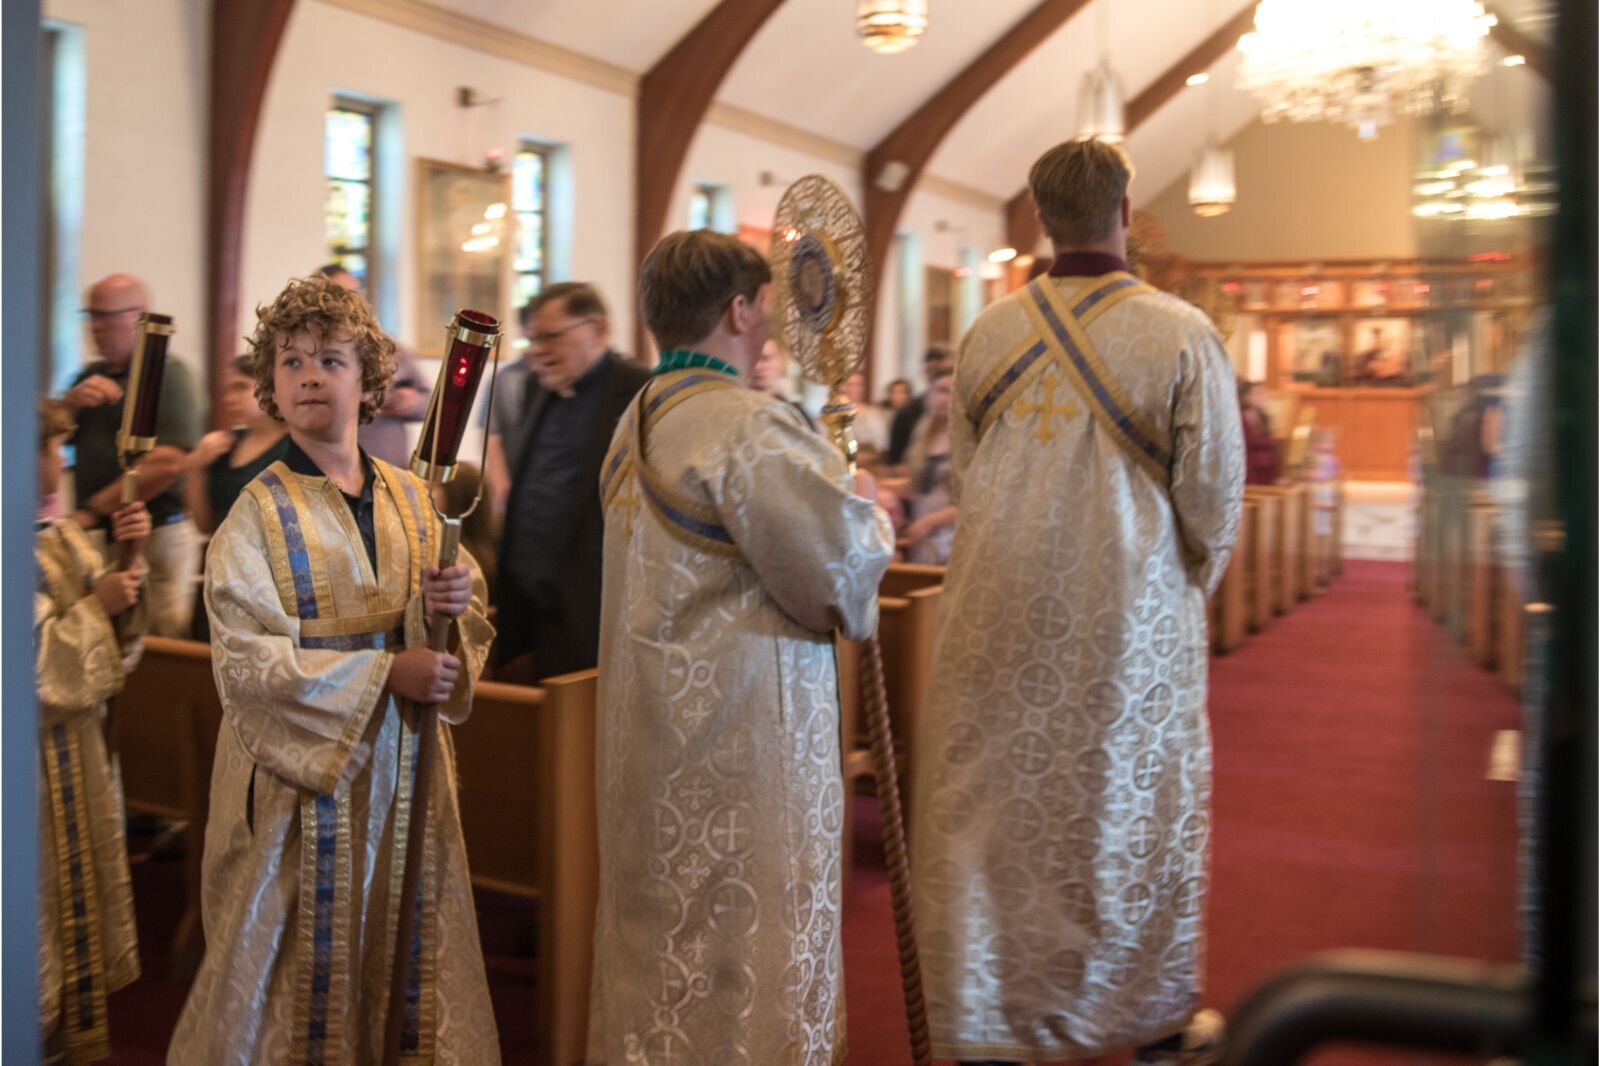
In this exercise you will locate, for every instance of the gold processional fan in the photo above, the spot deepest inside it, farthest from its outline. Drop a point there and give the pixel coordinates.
(821, 275)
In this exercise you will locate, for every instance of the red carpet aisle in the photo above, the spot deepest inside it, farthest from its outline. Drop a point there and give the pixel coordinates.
(1351, 808)
(1351, 811)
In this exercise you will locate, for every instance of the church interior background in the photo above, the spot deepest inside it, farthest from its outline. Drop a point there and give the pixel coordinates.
(1389, 639)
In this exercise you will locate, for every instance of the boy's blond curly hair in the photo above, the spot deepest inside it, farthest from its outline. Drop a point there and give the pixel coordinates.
(325, 309)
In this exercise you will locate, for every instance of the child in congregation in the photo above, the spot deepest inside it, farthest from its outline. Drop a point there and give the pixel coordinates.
(87, 622)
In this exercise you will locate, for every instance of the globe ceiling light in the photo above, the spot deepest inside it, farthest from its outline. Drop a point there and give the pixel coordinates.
(1211, 187)
(1361, 62)
(890, 26)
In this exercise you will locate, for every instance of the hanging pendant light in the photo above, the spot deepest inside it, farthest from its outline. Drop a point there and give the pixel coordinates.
(890, 26)
(1211, 188)
(1100, 98)
(1100, 112)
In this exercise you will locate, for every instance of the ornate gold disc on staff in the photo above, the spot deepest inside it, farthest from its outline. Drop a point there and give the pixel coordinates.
(820, 277)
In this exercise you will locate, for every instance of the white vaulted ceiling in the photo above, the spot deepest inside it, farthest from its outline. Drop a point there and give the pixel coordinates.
(806, 69)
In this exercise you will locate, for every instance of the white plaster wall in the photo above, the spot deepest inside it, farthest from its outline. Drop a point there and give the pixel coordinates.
(144, 162)
(144, 191)
(328, 50)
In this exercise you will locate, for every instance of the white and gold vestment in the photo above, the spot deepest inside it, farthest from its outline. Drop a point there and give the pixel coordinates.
(88, 943)
(734, 548)
(311, 790)
(1060, 823)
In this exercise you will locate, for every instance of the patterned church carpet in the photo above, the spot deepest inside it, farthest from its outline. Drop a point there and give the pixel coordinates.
(1351, 810)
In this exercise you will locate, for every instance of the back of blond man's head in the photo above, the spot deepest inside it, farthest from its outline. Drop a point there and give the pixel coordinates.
(1078, 187)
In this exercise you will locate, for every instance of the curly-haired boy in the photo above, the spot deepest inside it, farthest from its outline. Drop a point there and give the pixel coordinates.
(318, 588)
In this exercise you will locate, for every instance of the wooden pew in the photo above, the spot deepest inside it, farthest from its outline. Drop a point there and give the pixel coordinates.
(1284, 549)
(1229, 611)
(168, 715)
(1306, 572)
(908, 628)
(1261, 515)
(1509, 629)
(1480, 613)
(525, 768)
(902, 579)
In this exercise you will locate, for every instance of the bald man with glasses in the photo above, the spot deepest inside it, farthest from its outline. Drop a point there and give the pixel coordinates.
(96, 397)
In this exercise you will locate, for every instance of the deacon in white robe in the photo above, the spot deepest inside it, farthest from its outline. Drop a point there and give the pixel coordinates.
(734, 549)
(1061, 827)
(88, 942)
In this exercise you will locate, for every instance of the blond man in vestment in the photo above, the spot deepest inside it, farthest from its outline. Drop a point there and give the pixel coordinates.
(87, 620)
(1061, 822)
(319, 587)
(735, 547)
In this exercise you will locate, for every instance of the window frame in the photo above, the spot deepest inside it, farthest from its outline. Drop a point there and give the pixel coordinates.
(546, 155)
(373, 113)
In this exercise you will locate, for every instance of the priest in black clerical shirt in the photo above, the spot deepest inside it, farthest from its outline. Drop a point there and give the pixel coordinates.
(548, 584)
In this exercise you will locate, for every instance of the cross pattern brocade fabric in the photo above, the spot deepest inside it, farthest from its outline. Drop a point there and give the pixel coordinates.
(88, 943)
(311, 790)
(1061, 821)
(721, 803)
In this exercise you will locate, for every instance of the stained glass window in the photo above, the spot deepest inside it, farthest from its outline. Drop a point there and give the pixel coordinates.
(530, 200)
(347, 165)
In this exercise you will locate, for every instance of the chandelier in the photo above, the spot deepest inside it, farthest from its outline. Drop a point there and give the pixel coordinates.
(890, 26)
(1360, 62)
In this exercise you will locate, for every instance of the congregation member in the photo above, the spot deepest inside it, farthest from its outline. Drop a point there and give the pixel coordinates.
(1062, 824)
(931, 505)
(1262, 461)
(735, 547)
(896, 396)
(872, 423)
(502, 417)
(551, 545)
(906, 418)
(95, 400)
(320, 586)
(770, 375)
(228, 459)
(87, 621)
(385, 436)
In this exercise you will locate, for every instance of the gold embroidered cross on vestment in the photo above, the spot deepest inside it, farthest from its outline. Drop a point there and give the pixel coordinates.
(1068, 411)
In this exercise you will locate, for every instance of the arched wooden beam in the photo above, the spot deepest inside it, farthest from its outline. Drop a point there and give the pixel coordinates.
(1516, 42)
(1022, 229)
(912, 143)
(673, 98)
(245, 35)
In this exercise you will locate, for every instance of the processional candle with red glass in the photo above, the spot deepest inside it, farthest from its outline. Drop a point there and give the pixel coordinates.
(141, 406)
(472, 341)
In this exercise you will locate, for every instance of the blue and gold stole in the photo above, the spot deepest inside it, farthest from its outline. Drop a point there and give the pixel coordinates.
(690, 521)
(1061, 341)
(67, 565)
(300, 571)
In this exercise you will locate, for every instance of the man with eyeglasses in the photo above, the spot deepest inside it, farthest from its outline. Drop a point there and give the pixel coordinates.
(96, 398)
(553, 422)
